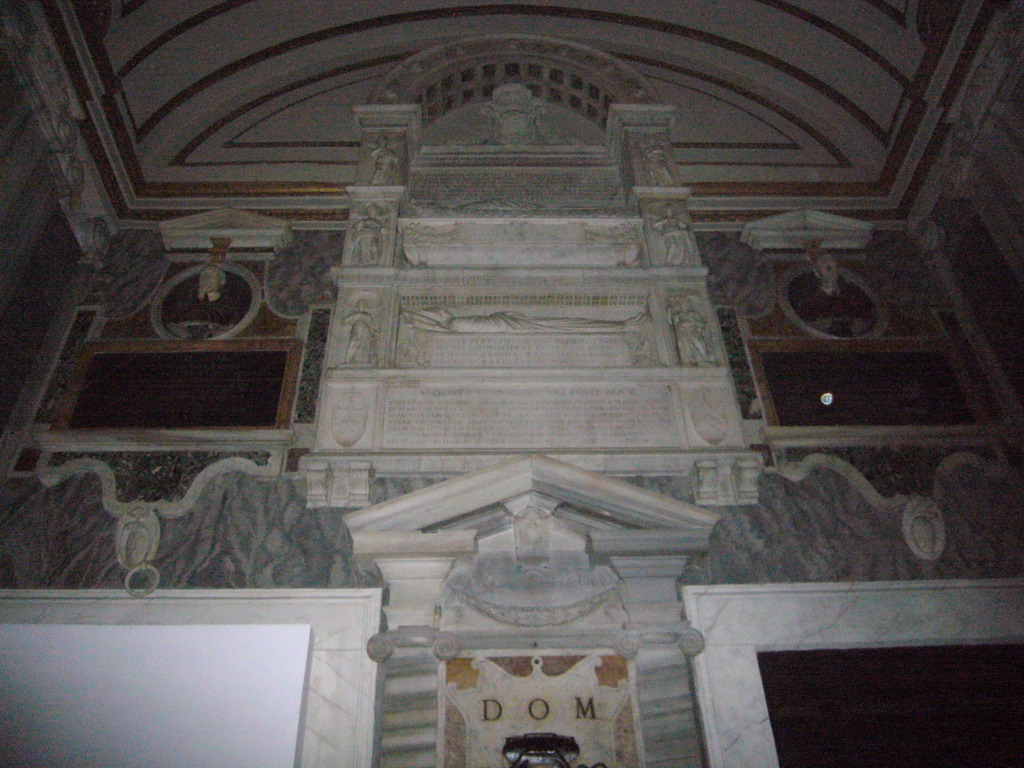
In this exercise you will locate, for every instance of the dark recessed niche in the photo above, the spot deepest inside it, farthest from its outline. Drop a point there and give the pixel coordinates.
(182, 388)
(919, 707)
(885, 388)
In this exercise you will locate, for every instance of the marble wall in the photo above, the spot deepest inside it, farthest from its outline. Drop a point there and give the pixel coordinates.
(299, 275)
(241, 532)
(822, 529)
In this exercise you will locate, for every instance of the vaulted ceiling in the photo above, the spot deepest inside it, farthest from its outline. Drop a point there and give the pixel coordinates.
(835, 104)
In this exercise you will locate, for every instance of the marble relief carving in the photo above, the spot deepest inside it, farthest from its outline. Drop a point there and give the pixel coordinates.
(514, 116)
(366, 236)
(694, 340)
(656, 167)
(674, 244)
(351, 409)
(358, 331)
(385, 160)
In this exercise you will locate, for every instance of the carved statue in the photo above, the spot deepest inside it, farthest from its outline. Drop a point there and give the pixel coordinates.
(693, 338)
(385, 163)
(672, 224)
(826, 268)
(211, 281)
(367, 238)
(361, 347)
(441, 320)
(514, 115)
(656, 165)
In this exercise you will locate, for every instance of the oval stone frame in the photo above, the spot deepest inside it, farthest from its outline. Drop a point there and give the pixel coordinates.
(255, 296)
(882, 315)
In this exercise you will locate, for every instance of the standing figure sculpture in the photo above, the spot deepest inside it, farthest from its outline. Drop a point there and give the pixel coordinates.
(673, 226)
(656, 165)
(385, 163)
(367, 238)
(361, 347)
(693, 337)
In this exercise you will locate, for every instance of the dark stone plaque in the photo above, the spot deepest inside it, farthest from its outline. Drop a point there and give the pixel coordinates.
(855, 387)
(917, 707)
(164, 385)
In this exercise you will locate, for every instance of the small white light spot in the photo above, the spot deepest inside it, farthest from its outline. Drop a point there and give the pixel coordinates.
(826, 399)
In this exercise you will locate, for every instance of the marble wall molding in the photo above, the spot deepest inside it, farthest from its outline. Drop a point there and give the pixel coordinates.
(739, 621)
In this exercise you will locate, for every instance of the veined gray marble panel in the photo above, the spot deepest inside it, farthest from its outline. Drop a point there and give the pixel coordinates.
(898, 271)
(245, 532)
(58, 537)
(822, 529)
(738, 275)
(132, 270)
(298, 277)
(242, 532)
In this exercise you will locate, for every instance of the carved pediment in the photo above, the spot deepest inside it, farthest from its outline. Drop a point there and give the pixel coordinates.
(796, 229)
(530, 543)
(244, 229)
(447, 504)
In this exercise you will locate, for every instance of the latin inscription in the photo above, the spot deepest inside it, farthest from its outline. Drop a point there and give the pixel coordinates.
(531, 416)
(539, 709)
(486, 700)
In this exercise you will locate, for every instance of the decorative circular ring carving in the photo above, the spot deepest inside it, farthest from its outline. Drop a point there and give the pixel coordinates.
(187, 309)
(852, 311)
(691, 641)
(142, 580)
